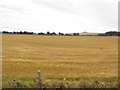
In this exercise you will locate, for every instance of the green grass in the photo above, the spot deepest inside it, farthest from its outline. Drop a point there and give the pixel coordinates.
(25, 79)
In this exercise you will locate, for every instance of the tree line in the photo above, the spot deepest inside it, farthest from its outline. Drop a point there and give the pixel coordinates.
(109, 33)
(25, 32)
(31, 33)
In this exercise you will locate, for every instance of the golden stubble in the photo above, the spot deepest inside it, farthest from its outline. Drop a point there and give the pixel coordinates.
(60, 56)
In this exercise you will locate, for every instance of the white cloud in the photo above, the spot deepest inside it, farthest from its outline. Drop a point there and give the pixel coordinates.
(58, 15)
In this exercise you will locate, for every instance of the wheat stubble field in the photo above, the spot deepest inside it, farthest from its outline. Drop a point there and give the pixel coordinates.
(76, 57)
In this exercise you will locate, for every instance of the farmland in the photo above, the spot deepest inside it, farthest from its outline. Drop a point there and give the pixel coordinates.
(59, 57)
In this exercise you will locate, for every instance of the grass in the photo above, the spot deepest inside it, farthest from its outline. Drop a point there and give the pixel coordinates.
(59, 57)
(59, 84)
(25, 79)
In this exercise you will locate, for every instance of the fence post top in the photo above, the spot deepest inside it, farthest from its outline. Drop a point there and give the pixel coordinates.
(39, 71)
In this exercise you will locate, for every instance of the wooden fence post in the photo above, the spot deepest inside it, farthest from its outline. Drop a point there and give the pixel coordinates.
(40, 78)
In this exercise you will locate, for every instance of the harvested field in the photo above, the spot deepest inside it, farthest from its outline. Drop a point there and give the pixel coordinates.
(59, 57)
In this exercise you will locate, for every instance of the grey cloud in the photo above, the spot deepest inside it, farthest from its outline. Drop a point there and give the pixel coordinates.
(61, 6)
(15, 8)
(13, 27)
(99, 10)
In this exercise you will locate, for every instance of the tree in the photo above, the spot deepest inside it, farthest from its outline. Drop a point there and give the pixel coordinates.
(48, 33)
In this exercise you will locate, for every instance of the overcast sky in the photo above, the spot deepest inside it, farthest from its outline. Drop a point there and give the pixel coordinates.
(65, 16)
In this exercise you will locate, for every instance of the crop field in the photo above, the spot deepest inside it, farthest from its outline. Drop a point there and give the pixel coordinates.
(71, 58)
(87, 33)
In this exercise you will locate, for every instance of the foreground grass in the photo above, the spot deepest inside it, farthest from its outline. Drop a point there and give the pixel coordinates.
(72, 82)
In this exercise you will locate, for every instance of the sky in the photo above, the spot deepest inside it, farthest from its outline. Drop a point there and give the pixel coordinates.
(66, 16)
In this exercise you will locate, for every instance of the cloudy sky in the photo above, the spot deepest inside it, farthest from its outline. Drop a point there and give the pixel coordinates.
(65, 16)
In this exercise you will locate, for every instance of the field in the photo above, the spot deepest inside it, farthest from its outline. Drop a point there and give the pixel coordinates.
(88, 33)
(72, 58)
